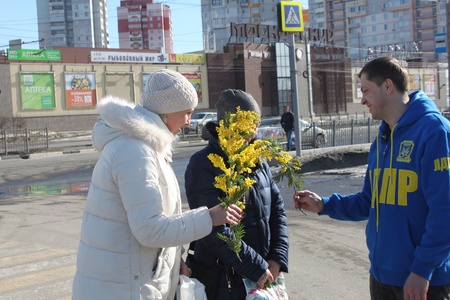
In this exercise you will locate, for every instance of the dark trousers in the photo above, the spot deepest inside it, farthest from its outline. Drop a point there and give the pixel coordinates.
(288, 138)
(381, 291)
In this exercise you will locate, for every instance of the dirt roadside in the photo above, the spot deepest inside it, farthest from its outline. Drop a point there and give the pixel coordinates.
(334, 158)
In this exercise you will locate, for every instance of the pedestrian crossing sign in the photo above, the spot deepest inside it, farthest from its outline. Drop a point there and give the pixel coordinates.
(291, 16)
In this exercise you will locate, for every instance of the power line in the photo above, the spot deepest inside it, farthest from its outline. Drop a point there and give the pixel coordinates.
(23, 43)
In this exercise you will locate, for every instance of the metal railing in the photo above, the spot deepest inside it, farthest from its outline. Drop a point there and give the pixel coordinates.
(331, 133)
(325, 133)
(346, 132)
(17, 141)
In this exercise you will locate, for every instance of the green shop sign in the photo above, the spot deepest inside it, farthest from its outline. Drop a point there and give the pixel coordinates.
(38, 91)
(46, 55)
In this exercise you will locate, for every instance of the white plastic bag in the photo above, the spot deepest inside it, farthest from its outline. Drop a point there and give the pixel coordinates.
(274, 291)
(190, 289)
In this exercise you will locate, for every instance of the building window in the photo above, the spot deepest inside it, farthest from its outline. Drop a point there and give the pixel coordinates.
(217, 2)
(283, 76)
(355, 9)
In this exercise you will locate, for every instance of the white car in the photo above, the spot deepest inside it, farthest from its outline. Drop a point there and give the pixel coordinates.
(271, 128)
(199, 120)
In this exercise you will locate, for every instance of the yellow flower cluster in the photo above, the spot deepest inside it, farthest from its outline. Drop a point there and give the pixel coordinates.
(235, 133)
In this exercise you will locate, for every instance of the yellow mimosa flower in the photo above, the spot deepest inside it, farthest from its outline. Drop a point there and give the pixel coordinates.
(234, 133)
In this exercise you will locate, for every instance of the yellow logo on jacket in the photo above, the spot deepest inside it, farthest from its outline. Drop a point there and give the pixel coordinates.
(404, 154)
(394, 186)
(442, 164)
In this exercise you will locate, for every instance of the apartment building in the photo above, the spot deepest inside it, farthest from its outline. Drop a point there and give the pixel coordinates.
(75, 23)
(143, 24)
(217, 15)
(366, 29)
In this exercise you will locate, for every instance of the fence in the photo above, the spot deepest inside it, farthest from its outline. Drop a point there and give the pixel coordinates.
(325, 133)
(331, 133)
(17, 141)
(345, 132)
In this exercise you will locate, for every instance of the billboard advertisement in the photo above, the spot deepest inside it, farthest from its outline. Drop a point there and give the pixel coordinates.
(37, 90)
(80, 90)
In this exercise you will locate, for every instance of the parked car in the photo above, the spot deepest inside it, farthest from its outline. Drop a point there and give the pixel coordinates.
(311, 136)
(199, 120)
(446, 113)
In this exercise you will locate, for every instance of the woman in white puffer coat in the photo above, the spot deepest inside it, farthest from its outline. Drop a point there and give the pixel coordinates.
(133, 228)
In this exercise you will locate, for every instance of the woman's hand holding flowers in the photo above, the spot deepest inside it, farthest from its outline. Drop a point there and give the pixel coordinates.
(228, 215)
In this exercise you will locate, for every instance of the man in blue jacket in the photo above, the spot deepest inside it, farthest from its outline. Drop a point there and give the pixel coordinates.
(264, 247)
(406, 192)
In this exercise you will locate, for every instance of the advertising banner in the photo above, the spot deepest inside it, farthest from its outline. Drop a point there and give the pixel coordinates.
(430, 84)
(129, 57)
(139, 57)
(37, 90)
(414, 82)
(80, 90)
(194, 79)
(187, 58)
(46, 55)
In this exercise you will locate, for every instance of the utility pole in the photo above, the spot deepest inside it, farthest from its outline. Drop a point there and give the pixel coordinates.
(295, 106)
(291, 20)
(309, 78)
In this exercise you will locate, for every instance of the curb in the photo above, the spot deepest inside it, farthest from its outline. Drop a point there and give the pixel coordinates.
(46, 154)
(53, 154)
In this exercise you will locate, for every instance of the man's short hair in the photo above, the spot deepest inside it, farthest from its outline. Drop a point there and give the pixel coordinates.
(382, 68)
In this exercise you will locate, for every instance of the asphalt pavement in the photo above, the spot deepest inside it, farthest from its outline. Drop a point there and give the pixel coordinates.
(42, 199)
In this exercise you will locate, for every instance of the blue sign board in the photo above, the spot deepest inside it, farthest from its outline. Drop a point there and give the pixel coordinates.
(440, 43)
(291, 16)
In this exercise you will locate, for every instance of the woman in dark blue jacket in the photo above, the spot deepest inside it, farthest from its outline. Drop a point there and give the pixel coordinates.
(264, 247)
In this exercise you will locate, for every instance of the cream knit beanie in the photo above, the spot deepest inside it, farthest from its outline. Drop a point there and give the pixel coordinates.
(168, 91)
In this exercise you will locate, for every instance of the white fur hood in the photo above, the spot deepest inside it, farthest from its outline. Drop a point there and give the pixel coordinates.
(119, 117)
